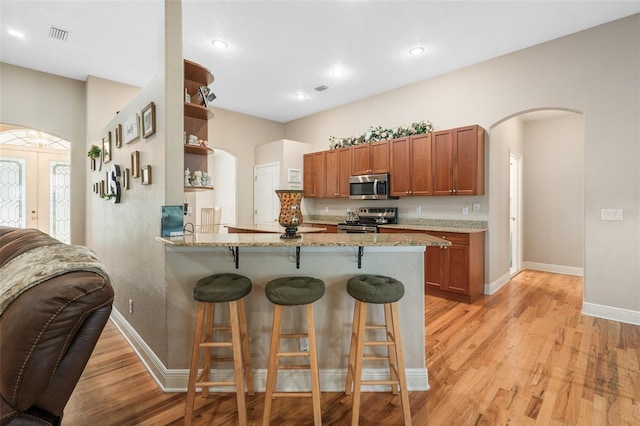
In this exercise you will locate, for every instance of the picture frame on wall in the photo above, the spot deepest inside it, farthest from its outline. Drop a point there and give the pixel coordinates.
(146, 175)
(149, 120)
(126, 176)
(295, 176)
(118, 136)
(131, 129)
(135, 164)
(106, 148)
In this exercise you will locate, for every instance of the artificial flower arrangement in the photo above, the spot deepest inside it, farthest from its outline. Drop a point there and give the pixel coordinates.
(376, 134)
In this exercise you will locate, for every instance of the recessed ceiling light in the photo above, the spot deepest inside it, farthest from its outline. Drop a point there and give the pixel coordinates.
(338, 72)
(299, 96)
(220, 44)
(415, 51)
(16, 34)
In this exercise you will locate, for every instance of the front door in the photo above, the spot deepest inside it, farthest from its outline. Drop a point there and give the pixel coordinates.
(35, 190)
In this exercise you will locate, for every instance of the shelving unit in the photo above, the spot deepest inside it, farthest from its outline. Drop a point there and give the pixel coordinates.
(196, 120)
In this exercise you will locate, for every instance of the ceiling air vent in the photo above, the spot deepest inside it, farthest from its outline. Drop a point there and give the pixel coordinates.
(58, 33)
(322, 88)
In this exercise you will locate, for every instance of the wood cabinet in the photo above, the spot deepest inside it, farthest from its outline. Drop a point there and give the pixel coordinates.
(370, 158)
(338, 171)
(457, 271)
(314, 175)
(458, 161)
(330, 229)
(196, 120)
(410, 166)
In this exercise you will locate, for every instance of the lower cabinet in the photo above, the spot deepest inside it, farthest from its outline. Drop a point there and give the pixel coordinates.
(457, 271)
(329, 228)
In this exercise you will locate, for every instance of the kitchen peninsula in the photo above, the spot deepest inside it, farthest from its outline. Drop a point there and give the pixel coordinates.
(334, 258)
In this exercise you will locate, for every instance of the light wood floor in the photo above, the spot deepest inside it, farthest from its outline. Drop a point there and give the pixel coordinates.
(523, 356)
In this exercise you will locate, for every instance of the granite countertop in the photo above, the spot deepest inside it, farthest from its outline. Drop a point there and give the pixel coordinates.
(436, 225)
(274, 229)
(307, 240)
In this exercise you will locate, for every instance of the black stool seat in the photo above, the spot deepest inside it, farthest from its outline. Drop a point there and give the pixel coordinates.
(225, 287)
(375, 288)
(291, 291)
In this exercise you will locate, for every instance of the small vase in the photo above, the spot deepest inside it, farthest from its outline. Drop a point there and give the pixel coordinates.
(290, 212)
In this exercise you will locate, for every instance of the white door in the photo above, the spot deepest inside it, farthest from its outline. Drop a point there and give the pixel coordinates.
(266, 178)
(35, 190)
(515, 203)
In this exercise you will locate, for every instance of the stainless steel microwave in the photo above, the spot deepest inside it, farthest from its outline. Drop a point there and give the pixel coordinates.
(369, 187)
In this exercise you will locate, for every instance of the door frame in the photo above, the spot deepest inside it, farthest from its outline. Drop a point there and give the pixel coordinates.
(515, 218)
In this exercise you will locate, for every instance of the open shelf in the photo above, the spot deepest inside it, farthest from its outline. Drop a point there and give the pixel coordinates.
(197, 149)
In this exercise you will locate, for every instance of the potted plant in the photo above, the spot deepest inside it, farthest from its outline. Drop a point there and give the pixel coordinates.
(94, 153)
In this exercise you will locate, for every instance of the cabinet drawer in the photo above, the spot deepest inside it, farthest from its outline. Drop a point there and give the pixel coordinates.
(455, 238)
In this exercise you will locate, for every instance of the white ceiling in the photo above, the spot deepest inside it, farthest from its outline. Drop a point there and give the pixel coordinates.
(278, 48)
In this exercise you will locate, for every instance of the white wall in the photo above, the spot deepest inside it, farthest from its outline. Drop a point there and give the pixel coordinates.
(55, 105)
(553, 192)
(594, 72)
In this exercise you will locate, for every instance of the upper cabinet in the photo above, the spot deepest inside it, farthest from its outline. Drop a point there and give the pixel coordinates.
(458, 161)
(338, 171)
(196, 119)
(448, 162)
(411, 166)
(370, 158)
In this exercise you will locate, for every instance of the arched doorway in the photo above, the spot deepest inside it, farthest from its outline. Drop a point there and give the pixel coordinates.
(550, 202)
(35, 181)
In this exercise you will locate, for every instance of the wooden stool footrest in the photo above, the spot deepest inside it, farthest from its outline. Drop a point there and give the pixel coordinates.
(293, 335)
(209, 384)
(293, 367)
(380, 382)
(375, 358)
(379, 343)
(288, 354)
(292, 394)
(216, 344)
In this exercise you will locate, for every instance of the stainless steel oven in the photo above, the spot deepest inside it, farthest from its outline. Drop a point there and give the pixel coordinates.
(368, 220)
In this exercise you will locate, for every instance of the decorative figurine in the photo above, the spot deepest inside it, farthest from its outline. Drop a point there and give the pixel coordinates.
(187, 177)
(197, 181)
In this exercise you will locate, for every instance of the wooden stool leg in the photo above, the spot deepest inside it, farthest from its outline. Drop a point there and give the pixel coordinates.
(355, 405)
(193, 368)
(272, 372)
(209, 319)
(352, 350)
(246, 351)
(236, 345)
(393, 362)
(313, 364)
(404, 394)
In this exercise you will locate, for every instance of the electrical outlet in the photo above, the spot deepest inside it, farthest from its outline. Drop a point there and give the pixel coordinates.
(326, 209)
(304, 344)
(131, 306)
(476, 207)
(418, 209)
(465, 210)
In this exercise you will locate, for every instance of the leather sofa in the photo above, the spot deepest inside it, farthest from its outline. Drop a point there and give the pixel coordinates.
(48, 331)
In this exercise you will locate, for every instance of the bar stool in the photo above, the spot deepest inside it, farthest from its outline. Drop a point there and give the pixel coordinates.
(376, 289)
(221, 288)
(293, 291)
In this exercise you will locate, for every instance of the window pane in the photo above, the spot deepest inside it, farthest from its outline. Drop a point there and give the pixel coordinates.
(12, 193)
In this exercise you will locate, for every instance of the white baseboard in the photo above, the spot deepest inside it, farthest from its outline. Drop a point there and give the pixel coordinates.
(491, 288)
(607, 312)
(331, 380)
(557, 269)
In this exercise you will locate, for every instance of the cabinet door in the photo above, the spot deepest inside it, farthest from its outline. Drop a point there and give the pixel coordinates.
(308, 176)
(400, 167)
(360, 160)
(379, 157)
(331, 164)
(344, 171)
(442, 162)
(457, 269)
(434, 262)
(468, 166)
(319, 175)
(420, 165)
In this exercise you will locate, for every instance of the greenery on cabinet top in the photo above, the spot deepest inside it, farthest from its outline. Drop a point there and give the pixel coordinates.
(376, 134)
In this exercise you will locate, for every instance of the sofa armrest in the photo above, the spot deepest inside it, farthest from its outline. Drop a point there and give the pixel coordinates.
(47, 336)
